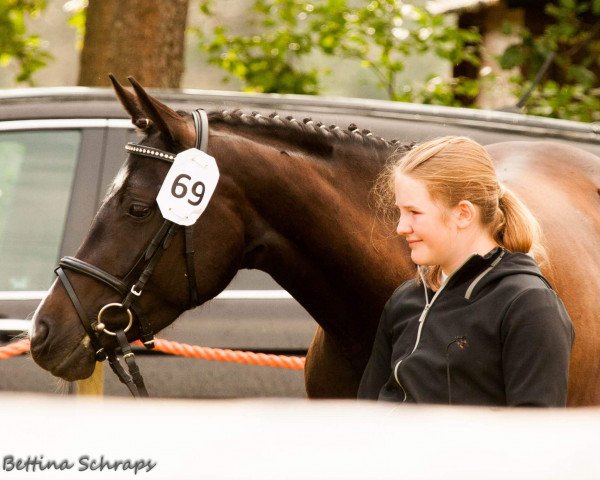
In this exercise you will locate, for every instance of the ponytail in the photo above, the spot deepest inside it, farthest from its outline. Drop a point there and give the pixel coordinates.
(516, 229)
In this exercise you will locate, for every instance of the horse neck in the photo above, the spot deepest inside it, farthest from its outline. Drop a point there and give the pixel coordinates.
(309, 225)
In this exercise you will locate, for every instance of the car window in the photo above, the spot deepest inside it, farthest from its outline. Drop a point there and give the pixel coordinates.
(36, 174)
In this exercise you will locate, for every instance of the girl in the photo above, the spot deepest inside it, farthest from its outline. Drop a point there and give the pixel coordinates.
(479, 325)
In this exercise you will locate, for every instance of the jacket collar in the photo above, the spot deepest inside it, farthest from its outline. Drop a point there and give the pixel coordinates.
(473, 269)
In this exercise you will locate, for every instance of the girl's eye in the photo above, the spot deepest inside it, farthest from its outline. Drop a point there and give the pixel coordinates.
(137, 210)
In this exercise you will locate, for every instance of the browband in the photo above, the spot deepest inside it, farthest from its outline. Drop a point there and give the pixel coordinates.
(200, 125)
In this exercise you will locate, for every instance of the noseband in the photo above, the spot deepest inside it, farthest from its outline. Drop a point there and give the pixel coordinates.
(130, 288)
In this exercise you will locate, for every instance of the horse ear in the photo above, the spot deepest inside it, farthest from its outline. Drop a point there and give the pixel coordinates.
(130, 104)
(172, 125)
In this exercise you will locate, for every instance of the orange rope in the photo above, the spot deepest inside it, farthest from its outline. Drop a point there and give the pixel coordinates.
(225, 355)
(14, 349)
(190, 351)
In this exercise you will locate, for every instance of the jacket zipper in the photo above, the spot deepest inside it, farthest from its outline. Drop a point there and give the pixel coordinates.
(420, 329)
(422, 318)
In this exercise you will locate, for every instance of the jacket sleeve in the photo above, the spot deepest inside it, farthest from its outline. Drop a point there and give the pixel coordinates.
(378, 368)
(537, 337)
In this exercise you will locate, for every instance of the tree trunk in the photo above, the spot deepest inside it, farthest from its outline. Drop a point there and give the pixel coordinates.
(142, 38)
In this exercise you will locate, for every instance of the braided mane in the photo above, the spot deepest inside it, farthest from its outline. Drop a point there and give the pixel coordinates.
(307, 133)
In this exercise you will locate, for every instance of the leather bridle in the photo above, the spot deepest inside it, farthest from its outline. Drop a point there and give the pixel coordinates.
(131, 288)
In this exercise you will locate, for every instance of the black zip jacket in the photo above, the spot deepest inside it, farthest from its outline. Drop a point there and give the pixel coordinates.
(494, 334)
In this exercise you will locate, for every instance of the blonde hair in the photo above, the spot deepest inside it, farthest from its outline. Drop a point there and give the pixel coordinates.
(457, 168)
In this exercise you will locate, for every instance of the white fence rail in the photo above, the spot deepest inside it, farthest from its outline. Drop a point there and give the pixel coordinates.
(291, 439)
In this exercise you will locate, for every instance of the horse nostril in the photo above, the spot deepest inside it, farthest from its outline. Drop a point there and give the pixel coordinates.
(39, 333)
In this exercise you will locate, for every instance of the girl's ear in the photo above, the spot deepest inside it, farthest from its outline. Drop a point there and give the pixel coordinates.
(464, 214)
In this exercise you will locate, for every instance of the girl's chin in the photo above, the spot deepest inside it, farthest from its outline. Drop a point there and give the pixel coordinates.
(419, 259)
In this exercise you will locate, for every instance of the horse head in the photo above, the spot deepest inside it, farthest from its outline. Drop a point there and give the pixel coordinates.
(127, 233)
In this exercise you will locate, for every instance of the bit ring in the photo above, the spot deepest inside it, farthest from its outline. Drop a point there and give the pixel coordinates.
(101, 327)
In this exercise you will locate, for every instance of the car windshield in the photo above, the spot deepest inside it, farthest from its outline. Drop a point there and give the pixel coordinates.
(36, 174)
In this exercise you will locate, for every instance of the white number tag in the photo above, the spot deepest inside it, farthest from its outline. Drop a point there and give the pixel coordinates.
(186, 191)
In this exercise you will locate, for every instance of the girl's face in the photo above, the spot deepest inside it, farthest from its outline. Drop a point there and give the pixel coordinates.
(428, 226)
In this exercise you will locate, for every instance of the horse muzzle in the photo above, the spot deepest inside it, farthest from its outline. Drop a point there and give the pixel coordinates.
(69, 360)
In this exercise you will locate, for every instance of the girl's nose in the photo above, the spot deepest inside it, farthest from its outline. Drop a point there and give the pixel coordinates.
(403, 227)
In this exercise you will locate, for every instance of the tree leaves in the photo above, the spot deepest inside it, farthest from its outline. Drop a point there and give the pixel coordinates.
(16, 46)
(572, 91)
(379, 36)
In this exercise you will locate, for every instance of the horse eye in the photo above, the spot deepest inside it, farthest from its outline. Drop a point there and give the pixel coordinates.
(138, 211)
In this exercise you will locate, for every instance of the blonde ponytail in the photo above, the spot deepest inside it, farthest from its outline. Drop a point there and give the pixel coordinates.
(517, 229)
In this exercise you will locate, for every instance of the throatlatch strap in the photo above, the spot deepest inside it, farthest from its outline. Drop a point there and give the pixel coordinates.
(98, 348)
(146, 331)
(190, 267)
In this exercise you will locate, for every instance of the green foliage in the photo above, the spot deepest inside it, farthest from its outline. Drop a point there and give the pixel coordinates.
(451, 92)
(16, 46)
(269, 61)
(572, 102)
(384, 33)
(572, 91)
(379, 36)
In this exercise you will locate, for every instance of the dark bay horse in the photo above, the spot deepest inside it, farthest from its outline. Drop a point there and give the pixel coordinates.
(293, 201)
